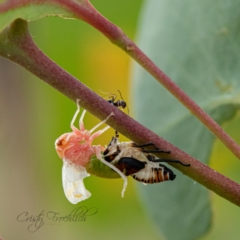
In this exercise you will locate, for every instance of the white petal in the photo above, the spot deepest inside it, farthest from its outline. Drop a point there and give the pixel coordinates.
(75, 173)
(73, 186)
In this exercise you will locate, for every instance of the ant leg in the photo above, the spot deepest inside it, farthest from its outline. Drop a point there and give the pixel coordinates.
(170, 160)
(112, 96)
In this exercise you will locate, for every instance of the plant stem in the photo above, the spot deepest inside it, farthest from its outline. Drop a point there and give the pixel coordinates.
(17, 45)
(117, 36)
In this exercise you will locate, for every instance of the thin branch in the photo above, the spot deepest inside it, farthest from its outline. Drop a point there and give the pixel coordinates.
(83, 10)
(117, 36)
(17, 45)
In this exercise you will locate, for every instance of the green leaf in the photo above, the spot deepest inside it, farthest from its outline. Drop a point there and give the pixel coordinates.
(196, 44)
(31, 11)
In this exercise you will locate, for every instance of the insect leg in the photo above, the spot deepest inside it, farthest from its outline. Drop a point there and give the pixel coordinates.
(112, 97)
(75, 115)
(99, 156)
(102, 122)
(147, 145)
(168, 160)
(82, 116)
(155, 151)
(81, 125)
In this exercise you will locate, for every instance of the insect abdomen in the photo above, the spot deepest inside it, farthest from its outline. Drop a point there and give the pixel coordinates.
(152, 174)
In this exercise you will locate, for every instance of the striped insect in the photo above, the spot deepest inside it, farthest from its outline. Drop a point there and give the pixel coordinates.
(81, 158)
(137, 161)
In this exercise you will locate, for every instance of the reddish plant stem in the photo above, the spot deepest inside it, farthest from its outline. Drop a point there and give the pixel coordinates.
(117, 36)
(16, 44)
(85, 11)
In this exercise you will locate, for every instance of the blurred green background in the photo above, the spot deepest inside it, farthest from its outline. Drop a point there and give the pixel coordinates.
(33, 115)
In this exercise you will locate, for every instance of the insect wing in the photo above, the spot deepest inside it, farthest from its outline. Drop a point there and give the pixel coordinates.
(73, 186)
